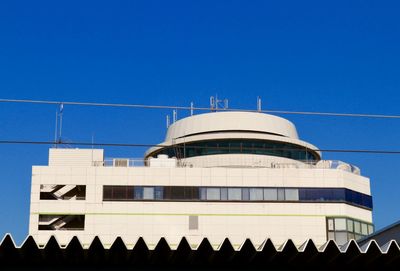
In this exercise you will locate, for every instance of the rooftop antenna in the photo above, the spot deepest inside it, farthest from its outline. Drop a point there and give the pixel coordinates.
(168, 121)
(60, 114)
(56, 130)
(212, 103)
(191, 108)
(174, 115)
(215, 103)
(259, 104)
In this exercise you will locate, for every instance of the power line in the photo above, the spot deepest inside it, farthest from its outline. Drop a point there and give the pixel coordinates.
(143, 106)
(181, 146)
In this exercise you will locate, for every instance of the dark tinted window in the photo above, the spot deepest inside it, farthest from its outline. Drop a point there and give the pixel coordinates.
(191, 193)
(248, 146)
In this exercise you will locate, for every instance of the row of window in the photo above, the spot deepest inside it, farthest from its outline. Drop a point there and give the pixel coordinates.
(192, 193)
(235, 146)
(344, 229)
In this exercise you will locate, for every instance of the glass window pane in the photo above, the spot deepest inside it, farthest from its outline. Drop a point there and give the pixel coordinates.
(203, 193)
(107, 192)
(281, 194)
(364, 229)
(331, 235)
(331, 225)
(357, 227)
(213, 194)
(148, 193)
(341, 238)
(245, 194)
(291, 194)
(270, 194)
(370, 229)
(350, 227)
(358, 236)
(340, 224)
(138, 191)
(234, 194)
(190, 193)
(351, 236)
(119, 192)
(178, 192)
(158, 193)
(256, 194)
(224, 193)
(131, 192)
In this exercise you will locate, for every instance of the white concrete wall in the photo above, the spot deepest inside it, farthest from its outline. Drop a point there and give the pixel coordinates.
(217, 220)
(75, 157)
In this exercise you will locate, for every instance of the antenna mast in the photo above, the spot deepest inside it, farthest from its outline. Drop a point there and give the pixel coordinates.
(259, 104)
(191, 108)
(215, 103)
(60, 114)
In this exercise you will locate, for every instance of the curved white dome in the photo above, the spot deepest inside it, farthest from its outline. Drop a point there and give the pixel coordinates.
(231, 121)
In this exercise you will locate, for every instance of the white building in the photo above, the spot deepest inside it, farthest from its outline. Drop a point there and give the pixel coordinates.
(217, 175)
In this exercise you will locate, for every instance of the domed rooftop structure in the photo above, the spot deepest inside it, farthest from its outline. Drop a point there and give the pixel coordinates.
(234, 138)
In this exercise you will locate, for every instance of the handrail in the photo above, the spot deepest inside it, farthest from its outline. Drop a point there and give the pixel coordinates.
(322, 164)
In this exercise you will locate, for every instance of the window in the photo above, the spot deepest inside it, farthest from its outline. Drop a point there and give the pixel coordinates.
(193, 193)
(107, 193)
(245, 193)
(364, 229)
(159, 193)
(256, 194)
(350, 225)
(345, 229)
(120, 192)
(248, 146)
(203, 193)
(370, 229)
(234, 193)
(148, 193)
(281, 194)
(138, 192)
(270, 194)
(357, 227)
(341, 238)
(213, 194)
(291, 194)
(224, 193)
(340, 224)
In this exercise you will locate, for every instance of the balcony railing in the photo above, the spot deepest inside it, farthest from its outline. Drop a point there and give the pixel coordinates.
(323, 164)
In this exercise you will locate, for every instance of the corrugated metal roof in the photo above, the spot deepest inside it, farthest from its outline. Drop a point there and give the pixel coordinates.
(52, 255)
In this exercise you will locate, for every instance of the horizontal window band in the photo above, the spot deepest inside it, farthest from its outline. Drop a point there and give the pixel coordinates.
(236, 194)
(240, 201)
(239, 146)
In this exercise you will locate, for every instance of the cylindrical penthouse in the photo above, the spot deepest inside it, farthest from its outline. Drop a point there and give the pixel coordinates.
(235, 139)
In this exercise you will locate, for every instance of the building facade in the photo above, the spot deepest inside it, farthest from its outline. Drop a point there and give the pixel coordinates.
(218, 175)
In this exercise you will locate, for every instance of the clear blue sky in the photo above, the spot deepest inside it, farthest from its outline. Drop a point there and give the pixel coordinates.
(335, 56)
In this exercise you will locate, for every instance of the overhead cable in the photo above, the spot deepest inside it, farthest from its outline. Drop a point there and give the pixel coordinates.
(192, 146)
(190, 108)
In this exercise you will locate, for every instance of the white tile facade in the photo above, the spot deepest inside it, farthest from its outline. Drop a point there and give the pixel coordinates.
(217, 220)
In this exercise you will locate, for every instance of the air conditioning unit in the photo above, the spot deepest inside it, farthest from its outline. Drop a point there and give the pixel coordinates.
(120, 162)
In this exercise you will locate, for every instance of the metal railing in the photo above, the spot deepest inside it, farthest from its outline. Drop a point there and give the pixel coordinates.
(323, 164)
